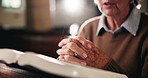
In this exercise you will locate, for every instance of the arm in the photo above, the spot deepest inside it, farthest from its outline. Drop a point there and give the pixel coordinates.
(105, 62)
(144, 73)
(111, 65)
(94, 56)
(88, 53)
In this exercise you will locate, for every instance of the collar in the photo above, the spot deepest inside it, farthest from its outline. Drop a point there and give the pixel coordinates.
(131, 24)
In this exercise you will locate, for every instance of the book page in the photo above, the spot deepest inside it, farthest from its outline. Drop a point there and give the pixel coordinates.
(9, 55)
(53, 66)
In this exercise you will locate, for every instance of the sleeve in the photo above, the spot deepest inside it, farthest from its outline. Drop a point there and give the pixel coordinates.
(86, 30)
(114, 67)
(144, 73)
(82, 30)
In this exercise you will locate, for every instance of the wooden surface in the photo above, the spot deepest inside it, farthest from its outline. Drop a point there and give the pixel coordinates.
(14, 71)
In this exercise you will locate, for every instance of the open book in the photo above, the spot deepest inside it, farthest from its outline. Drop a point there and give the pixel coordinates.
(53, 66)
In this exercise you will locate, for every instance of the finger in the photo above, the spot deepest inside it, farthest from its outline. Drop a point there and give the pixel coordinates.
(86, 43)
(75, 48)
(64, 42)
(61, 58)
(74, 60)
(65, 51)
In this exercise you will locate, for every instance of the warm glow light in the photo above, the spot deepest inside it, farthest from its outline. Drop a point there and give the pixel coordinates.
(74, 29)
(11, 3)
(138, 6)
(72, 5)
(75, 73)
(15, 3)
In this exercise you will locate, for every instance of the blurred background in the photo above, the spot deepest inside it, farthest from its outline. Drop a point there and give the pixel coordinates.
(39, 25)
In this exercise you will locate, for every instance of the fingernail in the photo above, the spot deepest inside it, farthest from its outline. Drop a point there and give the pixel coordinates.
(57, 52)
(59, 44)
(83, 63)
(84, 55)
(62, 60)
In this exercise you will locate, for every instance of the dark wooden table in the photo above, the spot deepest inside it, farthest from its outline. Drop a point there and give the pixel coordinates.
(15, 71)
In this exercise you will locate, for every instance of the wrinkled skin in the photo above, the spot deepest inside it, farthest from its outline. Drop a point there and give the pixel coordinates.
(88, 53)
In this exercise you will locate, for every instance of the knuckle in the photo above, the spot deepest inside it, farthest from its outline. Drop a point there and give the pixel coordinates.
(85, 42)
(71, 44)
(78, 37)
(67, 50)
(89, 42)
(59, 57)
(67, 58)
(69, 39)
(58, 52)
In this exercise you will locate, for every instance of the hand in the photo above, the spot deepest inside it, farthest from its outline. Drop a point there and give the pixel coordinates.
(87, 52)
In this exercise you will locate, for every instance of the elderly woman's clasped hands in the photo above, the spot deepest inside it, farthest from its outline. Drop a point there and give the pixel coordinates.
(81, 51)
